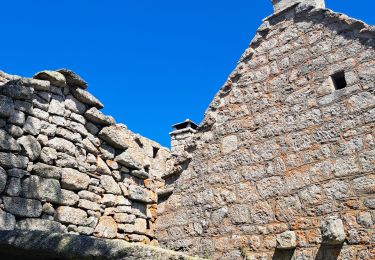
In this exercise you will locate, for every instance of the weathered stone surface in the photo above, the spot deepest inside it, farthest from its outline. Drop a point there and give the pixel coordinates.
(74, 180)
(81, 246)
(35, 187)
(22, 207)
(48, 155)
(110, 185)
(139, 194)
(3, 179)
(17, 118)
(56, 106)
(89, 205)
(6, 106)
(31, 224)
(13, 187)
(62, 145)
(32, 125)
(116, 136)
(31, 146)
(9, 160)
(86, 98)
(7, 221)
(128, 160)
(140, 174)
(124, 218)
(47, 171)
(286, 240)
(107, 228)
(16, 89)
(41, 85)
(71, 215)
(55, 78)
(18, 173)
(74, 105)
(8, 143)
(94, 115)
(333, 231)
(102, 167)
(87, 195)
(14, 131)
(72, 79)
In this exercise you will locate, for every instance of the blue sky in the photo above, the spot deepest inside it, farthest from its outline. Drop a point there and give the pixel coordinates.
(152, 63)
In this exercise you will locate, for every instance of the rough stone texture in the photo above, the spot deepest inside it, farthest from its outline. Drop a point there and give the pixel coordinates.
(31, 146)
(280, 148)
(22, 207)
(286, 240)
(57, 162)
(15, 244)
(7, 221)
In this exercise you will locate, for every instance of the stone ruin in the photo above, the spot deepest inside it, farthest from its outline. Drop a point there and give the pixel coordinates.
(281, 167)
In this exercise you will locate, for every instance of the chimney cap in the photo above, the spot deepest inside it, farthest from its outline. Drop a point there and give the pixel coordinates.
(186, 124)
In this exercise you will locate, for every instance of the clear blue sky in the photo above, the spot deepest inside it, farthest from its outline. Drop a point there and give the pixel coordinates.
(152, 63)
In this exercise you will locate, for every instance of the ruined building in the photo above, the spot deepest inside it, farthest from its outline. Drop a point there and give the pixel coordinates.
(281, 167)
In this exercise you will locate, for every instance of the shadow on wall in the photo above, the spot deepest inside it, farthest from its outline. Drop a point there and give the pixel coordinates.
(325, 252)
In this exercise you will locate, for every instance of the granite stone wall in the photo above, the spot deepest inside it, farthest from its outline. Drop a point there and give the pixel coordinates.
(67, 167)
(283, 164)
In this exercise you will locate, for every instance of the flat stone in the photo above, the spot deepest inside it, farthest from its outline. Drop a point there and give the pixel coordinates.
(62, 145)
(13, 187)
(139, 194)
(124, 218)
(14, 130)
(17, 118)
(7, 221)
(9, 160)
(86, 204)
(57, 106)
(129, 161)
(106, 228)
(35, 187)
(16, 89)
(107, 152)
(86, 98)
(3, 179)
(333, 231)
(66, 134)
(37, 84)
(89, 146)
(115, 136)
(31, 146)
(87, 195)
(8, 143)
(72, 79)
(140, 174)
(96, 116)
(18, 173)
(55, 78)
(74, 180)
(32, 125)
(48, 155)
(102, 167)
(40, 225)
(110, 185)
(66, 161)
(109, 200)
(286, 240)
(68, 198)
(6, 106)
(69, 215)
(74, 105)
(47, 171)
(22, 207)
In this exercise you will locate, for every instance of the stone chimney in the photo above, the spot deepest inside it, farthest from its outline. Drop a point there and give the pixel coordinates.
(279, 5)
(181, 135)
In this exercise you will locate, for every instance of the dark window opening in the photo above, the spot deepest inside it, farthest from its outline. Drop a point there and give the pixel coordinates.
(339, 80)
(147, 169)
(154, 152)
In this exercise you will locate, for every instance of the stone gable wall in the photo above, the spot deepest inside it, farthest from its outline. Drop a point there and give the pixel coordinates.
(283, 163)
(67, 167)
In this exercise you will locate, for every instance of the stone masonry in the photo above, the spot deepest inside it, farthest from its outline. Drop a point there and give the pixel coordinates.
(281, 167)
(66, 167)
(283, 164)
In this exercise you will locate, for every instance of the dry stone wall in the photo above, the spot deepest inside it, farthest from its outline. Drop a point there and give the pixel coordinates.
(67, 167)
(283, 164)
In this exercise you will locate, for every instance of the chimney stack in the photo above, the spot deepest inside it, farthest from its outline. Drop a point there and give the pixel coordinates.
(181, 135)
(279, 5)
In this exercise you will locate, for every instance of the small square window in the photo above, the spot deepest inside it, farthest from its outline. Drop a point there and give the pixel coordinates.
(339, 80)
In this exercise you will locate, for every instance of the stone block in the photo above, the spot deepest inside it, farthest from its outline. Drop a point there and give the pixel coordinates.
(7, 221)
(74, 180)
(32, 125)
(22, 207)
(31, 146)
(286, 240)
(9, 160)
(8, 143)
(95, 116)
(6, 106)
(69, 215)
(110, 185)
(40, 225)
(106, 228)
(3, 179)
(55, 78)
(86, 98)
(139, 194)
(47, 171)
(332, 230)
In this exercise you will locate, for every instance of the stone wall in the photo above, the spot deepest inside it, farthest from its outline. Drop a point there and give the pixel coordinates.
(67, 167)
(283, 163)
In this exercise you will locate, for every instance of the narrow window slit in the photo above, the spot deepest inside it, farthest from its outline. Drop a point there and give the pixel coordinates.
(155, 152)
(339, 80)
